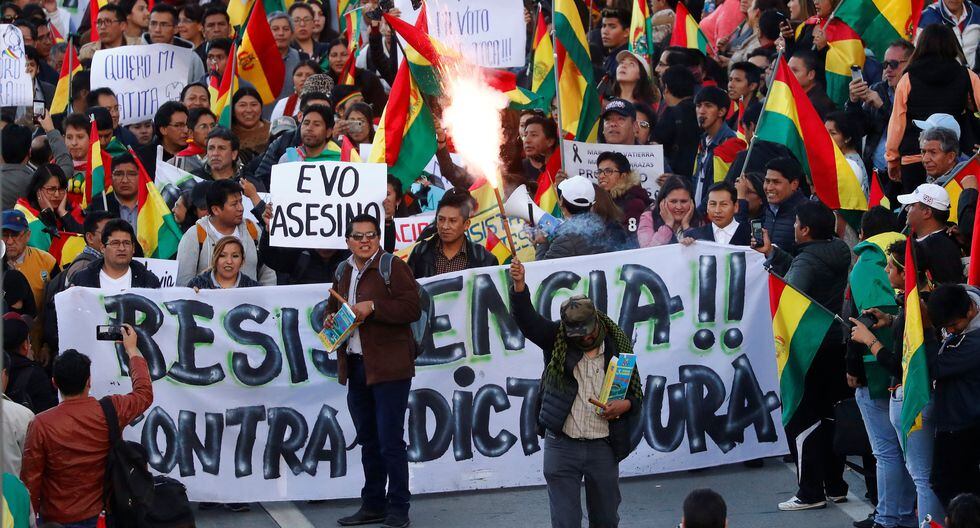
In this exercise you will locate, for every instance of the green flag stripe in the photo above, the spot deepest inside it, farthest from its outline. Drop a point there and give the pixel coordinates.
(806, 341)
(780, 129)
(916, 390)
(578, 54)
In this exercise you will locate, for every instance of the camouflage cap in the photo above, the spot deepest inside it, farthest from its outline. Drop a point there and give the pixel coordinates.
(578, 314)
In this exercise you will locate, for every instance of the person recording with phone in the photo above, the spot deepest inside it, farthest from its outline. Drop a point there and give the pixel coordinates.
(783, 197)
(67, 447)
(357, 124)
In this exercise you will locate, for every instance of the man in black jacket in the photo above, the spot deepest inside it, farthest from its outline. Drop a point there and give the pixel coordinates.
(783, 197)
(581, 441)
(450, 250)
(927, 213)
(29, 384)
(116, 270)
(677, 127)
(722, 204)
(819, 269)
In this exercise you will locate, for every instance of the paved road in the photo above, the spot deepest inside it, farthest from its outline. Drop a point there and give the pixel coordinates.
(751, 494)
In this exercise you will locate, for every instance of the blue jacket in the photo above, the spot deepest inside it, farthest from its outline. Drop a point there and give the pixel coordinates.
(968, 31)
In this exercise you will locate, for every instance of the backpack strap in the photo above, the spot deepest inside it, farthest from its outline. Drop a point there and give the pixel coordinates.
(112, 421)
(384, 266)
(253, 231)
(338, 274)
(202, 234)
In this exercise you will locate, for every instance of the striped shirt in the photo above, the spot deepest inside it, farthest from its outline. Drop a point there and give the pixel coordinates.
(583, 422)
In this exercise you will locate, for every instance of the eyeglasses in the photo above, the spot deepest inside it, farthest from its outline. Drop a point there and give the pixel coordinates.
(302, 21)
(117, 244)
(123, 175)
(891, 64)
(102, 22)
(158, 24)
(357, 237)
(608, 172)
(53, 189)
(178, 125)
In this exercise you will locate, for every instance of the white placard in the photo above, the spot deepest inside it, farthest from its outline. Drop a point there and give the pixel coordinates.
(407, 230)
(142, 77)
(238, 371)
(16, 86)
(312, 202)
(164, 269)
(491, 34)
(646, 160)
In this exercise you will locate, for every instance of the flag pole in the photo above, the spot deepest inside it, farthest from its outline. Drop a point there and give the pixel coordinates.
(762, 113)
(554, 51)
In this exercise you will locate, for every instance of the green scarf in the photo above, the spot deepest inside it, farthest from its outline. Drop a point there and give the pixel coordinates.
(554, 375)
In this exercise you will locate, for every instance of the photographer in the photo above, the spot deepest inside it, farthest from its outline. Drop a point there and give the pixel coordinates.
(919, 444)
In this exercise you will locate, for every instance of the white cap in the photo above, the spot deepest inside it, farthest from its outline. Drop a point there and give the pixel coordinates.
(643, 62)
(577, 190)
(929, 194)
(939, 121)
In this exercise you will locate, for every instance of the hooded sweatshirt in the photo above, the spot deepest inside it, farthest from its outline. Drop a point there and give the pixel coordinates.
(193, 257)
(956, 371)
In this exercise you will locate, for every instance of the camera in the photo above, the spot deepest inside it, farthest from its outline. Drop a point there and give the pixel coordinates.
(867, 319)
(108, 333)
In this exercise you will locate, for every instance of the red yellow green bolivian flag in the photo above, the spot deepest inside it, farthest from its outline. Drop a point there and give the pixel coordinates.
(221, 104)
(798, 328)
(915, 371)
(62, 92)
(259, 61)
(844, 49)
(543, 63)
(687, 33)
(881, 22)
(98, 167)
(578, 98)
(786, 115)
(955, 188)
(641, 31)
(156, 229)
(547, 194)
(497, 248)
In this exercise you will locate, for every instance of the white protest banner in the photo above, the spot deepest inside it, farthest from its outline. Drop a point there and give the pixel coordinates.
(171, 180)
(142, 77)
(407, 230)
(491, 34)
(646, 160)
(312, 202)
(164, 269)
(16, 86)
(247, 408)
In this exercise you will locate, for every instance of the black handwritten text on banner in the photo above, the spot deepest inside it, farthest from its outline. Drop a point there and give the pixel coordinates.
(246, 406)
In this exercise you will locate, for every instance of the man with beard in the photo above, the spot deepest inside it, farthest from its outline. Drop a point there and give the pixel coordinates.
(315, 132)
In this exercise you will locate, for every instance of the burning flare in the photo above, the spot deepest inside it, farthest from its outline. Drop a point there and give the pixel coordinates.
(473, 121)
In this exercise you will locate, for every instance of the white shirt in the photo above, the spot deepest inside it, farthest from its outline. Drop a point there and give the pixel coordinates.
(116, 285)
(723, 235)
(16, 418)
(354, 343)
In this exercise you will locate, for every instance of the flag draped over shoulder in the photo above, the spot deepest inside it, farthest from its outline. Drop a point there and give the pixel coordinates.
(406, 135)
(915, 371)
(578, 98)
(64, 247)
(844, 49)
(870, 287)
(789, 118)
(62, 92)
(798, 328)
(156, 229)
(687, 33)
(259, 61)
(881, 22)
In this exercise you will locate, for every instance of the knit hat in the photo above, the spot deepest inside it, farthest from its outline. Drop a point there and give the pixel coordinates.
(319, 83)
(15, 331)
(343, 93)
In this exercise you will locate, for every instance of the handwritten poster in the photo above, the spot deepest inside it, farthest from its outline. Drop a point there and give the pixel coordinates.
(143, 77)
(15, 84)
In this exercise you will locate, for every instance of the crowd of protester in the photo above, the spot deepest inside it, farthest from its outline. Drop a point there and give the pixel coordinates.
(908, 127)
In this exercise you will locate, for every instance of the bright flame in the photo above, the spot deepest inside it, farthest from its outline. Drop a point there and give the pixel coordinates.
(473, 120)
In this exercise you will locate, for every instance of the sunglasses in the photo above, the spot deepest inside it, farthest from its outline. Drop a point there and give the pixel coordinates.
(892, 64)
(357, 237)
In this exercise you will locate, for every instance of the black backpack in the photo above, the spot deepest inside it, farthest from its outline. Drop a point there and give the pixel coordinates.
(420, 328)
(170, 509)
(127, 492)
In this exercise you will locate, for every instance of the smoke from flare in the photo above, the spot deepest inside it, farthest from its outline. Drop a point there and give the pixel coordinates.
(473, 120)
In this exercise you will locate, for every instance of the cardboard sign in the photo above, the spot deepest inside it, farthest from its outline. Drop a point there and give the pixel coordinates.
(646, 160)
(407, 230)
(164, 269)
(16, 86)
(314, 201)
(142, 77)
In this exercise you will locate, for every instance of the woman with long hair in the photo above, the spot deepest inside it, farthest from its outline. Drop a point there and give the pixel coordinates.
(226, 268)
(47, 200)
(670, 216)
(247, 123)
(936, 81)
(357, 124)
(623, 184)
(847, 133)
(616, 237)
(633, 82)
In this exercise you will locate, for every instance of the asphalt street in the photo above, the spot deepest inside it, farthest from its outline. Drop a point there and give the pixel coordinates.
(654, 501)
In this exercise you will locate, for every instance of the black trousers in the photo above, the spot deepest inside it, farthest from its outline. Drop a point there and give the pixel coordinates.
(810, 431)
(955, 460)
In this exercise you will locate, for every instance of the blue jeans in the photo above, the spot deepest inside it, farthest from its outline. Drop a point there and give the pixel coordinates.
(896, 491)
(378, 412)
(918, 456)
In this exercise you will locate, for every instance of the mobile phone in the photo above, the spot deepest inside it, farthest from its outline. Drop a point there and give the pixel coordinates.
(856, 74)
(38, 110)
(757, 236)
(108, 333)
(355, 126)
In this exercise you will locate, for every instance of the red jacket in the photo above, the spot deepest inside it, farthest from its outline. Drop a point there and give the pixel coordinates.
(66, 448)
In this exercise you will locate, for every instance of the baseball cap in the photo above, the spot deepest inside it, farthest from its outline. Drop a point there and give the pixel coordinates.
(713, 95)
(929, 194)
(14, 220)
(643, 63)
(577, 190)
(578, 315)
(15, 331)
(282, 124)
(621, 107)
(939, 121)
